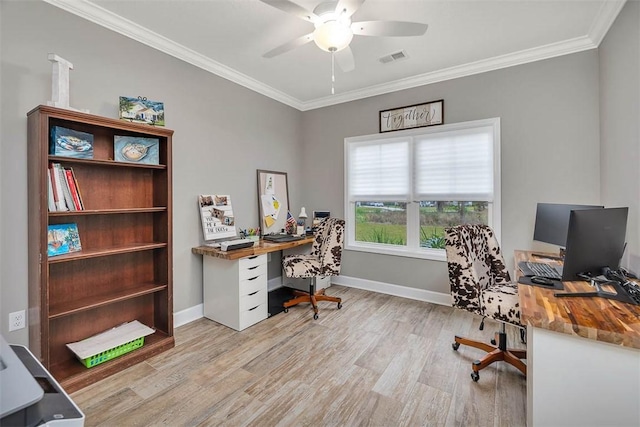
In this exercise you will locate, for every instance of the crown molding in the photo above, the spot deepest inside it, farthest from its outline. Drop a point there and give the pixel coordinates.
(498, 62)
(107, 19)
(607, 15)
(98, 15)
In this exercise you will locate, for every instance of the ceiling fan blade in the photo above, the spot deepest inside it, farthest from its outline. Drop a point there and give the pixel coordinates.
(294, 9)
(289, 46)
(348, 7)
(345, 60)
(388, 28)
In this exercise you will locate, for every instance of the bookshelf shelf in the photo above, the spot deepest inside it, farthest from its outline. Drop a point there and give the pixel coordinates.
(77, 376)
(115, 250)
(107, 211)
(67, 308)
(108, 163)
(124, 270)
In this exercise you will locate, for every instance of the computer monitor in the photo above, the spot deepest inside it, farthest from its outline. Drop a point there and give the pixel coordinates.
(318, 216)
(552, 222)
(596, 239)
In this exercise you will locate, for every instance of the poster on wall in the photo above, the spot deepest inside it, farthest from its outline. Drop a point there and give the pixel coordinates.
(216, 214)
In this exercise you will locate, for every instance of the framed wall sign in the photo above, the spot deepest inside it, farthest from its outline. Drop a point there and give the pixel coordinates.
(412, 116)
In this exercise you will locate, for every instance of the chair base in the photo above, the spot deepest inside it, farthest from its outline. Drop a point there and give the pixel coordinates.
(495, 353)
(311, 297)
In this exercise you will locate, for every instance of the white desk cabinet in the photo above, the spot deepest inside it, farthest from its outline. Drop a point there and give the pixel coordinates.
(235, 291)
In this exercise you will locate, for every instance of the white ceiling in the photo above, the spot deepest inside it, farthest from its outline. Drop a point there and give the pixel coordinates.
(229, 37)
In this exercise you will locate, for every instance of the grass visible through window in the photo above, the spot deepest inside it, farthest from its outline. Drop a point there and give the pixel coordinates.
(385, 223)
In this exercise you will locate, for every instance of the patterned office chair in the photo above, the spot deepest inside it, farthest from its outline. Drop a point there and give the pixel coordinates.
(324, 260)
(480, 283)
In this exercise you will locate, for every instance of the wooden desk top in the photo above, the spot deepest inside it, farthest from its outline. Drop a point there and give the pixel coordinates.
(598, 319)
(264, 247)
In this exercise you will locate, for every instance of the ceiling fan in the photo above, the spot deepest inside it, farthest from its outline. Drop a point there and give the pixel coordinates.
(334, 28)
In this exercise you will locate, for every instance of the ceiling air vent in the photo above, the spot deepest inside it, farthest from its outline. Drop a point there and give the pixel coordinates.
(397, 56)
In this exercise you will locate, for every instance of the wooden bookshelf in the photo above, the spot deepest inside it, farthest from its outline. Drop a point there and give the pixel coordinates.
(124, 270)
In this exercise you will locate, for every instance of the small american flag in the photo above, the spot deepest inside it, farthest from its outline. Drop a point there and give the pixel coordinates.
(290, 219)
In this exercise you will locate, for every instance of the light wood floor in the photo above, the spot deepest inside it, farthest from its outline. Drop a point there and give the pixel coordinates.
(379, 361)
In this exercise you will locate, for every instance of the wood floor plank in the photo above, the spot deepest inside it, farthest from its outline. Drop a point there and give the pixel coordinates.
(399, 378)
(112, 405)
(427, 406)
(379, 361)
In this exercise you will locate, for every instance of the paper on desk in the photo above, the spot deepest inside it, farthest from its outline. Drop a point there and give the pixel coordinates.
(109, 339)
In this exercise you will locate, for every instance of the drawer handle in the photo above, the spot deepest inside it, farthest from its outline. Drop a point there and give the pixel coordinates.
(251, 309)
(253, 278)
(253, 293)
(252, 257)
(253, 268)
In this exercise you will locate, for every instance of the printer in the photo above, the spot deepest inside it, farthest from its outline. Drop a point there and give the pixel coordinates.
(29, 395)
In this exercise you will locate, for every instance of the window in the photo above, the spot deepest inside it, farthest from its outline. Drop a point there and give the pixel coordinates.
(403, 190)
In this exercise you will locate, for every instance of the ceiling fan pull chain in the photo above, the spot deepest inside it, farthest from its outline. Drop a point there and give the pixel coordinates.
(333, 74)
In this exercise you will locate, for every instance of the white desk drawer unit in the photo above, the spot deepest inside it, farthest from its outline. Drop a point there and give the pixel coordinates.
(235, 292)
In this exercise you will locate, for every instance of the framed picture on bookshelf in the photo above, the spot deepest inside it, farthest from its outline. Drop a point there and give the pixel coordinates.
(141, 110)
(136, 149)
(71, 143)
(63, 239)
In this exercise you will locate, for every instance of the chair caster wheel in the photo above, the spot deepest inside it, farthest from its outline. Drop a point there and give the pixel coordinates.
(455, 346)
(286, 310)
(315, 316)
(339, 305)
(475, 376)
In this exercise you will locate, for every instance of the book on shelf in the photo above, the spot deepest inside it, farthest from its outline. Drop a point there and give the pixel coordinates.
(66, 192)
(51, 202)
(75, 181)
(71, 183)
(63, 239)
(57, 188)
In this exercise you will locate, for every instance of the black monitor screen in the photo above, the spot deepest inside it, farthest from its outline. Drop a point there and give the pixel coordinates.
(552, 222)
(595, 240)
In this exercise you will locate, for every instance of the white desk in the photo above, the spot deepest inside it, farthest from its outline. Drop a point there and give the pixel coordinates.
(235, 282)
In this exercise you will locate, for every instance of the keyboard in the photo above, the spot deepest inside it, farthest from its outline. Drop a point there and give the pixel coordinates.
(539, 269)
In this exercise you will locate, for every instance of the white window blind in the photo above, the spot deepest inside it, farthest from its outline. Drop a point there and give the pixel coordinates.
(378, 171)
(454, 165)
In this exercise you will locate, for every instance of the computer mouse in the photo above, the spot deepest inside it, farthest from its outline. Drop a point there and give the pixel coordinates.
(539, 280)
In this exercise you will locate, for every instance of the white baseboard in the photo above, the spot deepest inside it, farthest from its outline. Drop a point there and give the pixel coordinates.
(188, 315)
(395, 290)
(196, 312)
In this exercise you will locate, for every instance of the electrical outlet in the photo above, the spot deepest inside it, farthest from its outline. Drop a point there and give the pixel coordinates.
(16, 320)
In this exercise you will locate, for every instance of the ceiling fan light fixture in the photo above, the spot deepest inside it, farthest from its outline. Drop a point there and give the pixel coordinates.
(332, 36)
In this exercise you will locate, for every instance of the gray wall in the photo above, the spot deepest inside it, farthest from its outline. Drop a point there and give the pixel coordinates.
(620, 121)
(550, 150)
(223, 132)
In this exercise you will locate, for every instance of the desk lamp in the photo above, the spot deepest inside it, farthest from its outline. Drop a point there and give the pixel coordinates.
(302, 220)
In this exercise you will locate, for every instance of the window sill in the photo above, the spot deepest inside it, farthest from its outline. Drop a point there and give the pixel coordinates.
(430, 254)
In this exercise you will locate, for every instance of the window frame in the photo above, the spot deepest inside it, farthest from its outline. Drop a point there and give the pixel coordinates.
(412, 248)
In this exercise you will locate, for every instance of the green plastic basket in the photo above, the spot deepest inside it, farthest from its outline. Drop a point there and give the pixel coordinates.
(112, 353)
